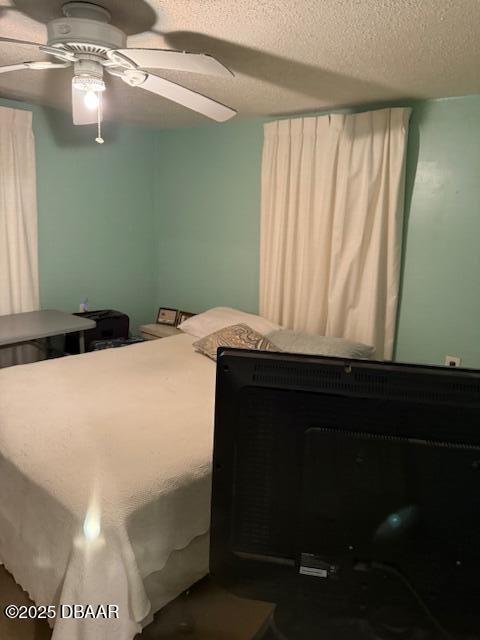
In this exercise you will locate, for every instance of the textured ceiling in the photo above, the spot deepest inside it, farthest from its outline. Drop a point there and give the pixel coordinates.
(288, 56)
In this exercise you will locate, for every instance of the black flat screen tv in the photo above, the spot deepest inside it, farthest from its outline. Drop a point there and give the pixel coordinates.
(347, 492)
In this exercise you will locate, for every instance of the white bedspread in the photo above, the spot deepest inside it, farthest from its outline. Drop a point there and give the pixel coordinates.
(104, 472)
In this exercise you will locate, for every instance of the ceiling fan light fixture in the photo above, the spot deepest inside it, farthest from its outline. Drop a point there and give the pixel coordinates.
(88, 83)
(91, 100)
(88, 76)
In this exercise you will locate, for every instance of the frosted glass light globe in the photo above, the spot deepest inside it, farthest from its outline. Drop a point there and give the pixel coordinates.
(91, 100)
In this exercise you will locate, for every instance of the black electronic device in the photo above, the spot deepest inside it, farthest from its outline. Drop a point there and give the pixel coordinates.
(110, 325)
(348, 493)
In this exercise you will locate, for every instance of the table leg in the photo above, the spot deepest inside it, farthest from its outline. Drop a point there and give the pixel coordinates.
(81, 341)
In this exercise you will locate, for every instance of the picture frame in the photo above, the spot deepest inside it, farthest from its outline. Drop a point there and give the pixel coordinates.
(166, 315)
(184, 315)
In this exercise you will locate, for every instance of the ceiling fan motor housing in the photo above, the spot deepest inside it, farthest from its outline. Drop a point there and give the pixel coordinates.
(95, 36)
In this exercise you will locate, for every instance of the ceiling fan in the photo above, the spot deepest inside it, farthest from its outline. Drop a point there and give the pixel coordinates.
(86, 39)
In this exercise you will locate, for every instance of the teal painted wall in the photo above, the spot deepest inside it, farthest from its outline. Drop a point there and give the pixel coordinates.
(207, 203)
(440, 301)
(95, 215)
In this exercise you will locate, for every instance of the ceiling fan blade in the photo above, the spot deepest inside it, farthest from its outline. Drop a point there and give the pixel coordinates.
(28, 42)
(80, 112)
(34, 65)
(187, 98)
(58, 52)
(175, 60)
(13, 67)
(43, 47)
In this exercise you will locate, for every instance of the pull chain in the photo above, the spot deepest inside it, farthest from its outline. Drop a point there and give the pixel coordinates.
(99, 138)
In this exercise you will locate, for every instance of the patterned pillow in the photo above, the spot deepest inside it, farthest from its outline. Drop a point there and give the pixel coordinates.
(239, 336)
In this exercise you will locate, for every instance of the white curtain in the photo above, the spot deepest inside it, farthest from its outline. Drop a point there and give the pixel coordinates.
(18, 213)
(331, 224)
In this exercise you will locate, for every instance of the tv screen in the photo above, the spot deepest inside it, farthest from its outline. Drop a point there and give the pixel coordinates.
(349, 491)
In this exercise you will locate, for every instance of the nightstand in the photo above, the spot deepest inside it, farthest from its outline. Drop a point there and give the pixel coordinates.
(155, 331)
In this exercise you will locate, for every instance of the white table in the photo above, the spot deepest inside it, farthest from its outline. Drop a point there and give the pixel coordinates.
(33, 325)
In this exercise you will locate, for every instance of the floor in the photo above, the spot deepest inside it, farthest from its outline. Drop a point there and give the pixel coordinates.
(207, 613)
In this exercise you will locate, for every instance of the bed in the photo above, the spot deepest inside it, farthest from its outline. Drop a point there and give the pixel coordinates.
(105, 480)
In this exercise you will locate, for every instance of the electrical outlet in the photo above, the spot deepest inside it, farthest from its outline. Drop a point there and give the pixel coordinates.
(452, 361)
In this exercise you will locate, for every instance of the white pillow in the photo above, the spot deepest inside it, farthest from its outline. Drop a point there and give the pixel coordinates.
(301, 342)
(218, 318)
